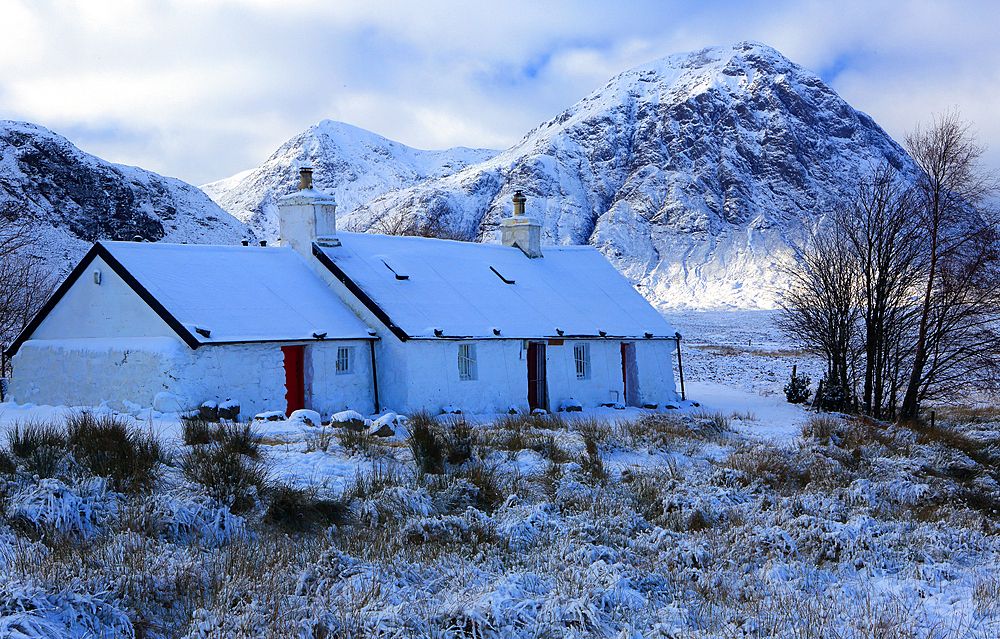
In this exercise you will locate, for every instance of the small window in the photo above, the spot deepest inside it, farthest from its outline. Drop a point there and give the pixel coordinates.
(345, 360)
(467, 362)
(581, 353)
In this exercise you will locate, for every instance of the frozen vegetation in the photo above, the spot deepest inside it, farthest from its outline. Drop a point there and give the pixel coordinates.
(742, 517)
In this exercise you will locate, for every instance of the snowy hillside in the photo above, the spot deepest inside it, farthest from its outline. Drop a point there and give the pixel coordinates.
(693, 174)
(78, 198)
(352, 164)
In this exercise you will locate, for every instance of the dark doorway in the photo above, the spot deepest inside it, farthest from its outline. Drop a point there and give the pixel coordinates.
(536, 376)
(630, 374)
(295, 388)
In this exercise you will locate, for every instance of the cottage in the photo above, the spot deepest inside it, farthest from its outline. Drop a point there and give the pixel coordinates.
(177, 325)
(330, 320)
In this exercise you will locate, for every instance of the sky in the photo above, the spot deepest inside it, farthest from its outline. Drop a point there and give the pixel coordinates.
(204, 89)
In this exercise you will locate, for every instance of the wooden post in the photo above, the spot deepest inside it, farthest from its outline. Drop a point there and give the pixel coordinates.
(819, 392)
(795, 367)
(680, 365)
(932, 419)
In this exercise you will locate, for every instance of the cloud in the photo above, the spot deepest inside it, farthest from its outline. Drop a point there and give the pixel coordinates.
(201, 89)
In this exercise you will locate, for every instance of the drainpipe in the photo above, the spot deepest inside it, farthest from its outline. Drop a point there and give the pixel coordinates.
(680, 365)
(371, 344)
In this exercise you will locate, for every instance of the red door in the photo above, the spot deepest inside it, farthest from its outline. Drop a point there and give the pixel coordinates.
(295, 388)
(536, 375)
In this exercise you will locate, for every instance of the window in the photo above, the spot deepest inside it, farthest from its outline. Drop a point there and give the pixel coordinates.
(467, 362)
(581, 353)
(345, 360)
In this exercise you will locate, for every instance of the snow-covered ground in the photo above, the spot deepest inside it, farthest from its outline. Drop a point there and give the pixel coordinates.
(716, 520)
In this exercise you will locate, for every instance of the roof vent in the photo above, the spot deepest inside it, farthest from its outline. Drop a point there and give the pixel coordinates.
(204, 332)
(319, 335)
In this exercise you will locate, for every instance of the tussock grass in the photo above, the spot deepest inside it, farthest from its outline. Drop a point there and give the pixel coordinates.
(108, 446)
(297, 510)
(231, 469)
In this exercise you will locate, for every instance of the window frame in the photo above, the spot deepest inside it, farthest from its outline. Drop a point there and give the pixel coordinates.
(348, 358)
(581, 357)
(468, 368)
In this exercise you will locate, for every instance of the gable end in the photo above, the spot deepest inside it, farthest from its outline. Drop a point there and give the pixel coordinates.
(99, 251)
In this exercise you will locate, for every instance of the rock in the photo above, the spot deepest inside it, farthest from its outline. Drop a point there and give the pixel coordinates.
(306, 416)
(451, 410)
(571, 406)
(349, 419)
(208, 412)
(229, 410)
(165, 402)
(270, 416)
(385, 430)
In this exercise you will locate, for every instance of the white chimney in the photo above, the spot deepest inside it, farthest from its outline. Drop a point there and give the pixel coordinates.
(307, 216)
(522, 231)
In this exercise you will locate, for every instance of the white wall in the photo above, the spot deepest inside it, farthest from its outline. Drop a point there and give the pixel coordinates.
(326, 391)
(86, 372)
(656, 370)
(108, 309)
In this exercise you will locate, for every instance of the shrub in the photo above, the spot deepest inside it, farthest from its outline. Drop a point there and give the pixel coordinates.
(297, 510)
(428, 451)
(797, 389)
(40, 445)
(832, 399)
(456, 440)
(489, 483)
(351, 439)
(231, 469)
(711, 425)
(241, 439)
(196, 432)
(24, 439)
(591, 462)
(7, 464)
(108, 447)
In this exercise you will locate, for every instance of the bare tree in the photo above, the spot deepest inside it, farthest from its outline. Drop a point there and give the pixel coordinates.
(25, 281)
(961, 287)
(821, 309)
(882, 238)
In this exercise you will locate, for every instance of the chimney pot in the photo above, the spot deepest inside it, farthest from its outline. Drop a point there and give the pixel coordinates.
(305, 178)
(520, 230)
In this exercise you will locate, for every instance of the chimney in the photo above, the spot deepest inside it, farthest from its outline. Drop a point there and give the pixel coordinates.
(307, 216)
(520, 230)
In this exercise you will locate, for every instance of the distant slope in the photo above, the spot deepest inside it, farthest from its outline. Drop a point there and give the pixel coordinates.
(352, 164)
(693, 174)
(77, 198)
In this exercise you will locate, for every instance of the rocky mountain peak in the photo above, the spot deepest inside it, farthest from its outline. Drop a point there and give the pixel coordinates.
(694, 174)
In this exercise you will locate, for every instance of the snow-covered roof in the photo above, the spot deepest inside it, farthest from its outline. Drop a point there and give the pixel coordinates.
(238, 293)
(441, 288)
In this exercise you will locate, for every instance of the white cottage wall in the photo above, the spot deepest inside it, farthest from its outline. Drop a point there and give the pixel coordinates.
(86, 372)
(604, 383)
(656, 370)
(434, 380)
(108, 309)
(252, 375)
(329, 392)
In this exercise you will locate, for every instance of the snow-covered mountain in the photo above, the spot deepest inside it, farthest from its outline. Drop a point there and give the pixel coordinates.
(693, 174)
(352, 164)
(76, 198)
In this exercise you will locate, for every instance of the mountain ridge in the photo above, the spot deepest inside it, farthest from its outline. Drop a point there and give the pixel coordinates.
(74, 198)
